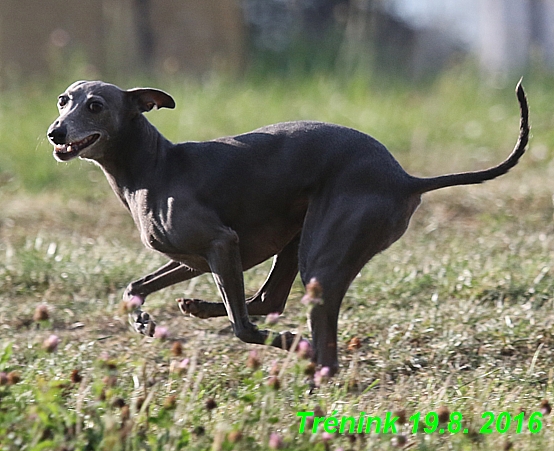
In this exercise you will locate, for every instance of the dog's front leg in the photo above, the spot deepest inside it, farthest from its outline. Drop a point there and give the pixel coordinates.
(270, 298)
(226, 266)
(169, 274)
(135, 294)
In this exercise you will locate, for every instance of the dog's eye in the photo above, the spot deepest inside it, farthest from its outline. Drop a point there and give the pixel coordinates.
(62, 101)
(95, 107)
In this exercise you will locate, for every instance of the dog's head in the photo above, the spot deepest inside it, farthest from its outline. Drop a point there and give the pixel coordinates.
(93, 112)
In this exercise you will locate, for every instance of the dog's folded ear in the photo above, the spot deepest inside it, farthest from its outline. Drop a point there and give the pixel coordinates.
(147, 98)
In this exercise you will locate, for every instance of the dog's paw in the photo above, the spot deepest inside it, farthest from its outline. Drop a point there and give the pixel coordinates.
(142, 323)
(132, 303)
(284, 340)
(130, 292)
(193, 307)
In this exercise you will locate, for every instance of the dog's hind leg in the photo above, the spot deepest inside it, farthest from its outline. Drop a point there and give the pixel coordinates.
(273, 295)
(339, 237)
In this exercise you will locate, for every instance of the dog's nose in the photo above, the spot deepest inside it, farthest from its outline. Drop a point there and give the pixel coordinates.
(58, 135)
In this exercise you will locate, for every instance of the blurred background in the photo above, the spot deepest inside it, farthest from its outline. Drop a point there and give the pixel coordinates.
(411, 38)
(391, 68)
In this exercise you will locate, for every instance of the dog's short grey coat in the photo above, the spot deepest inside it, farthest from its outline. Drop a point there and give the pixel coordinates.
(322, 199)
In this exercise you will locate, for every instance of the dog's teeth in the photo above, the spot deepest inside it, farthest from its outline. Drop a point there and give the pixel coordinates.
(68, 148)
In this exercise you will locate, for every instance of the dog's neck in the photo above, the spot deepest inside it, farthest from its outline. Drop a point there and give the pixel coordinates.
(133, 158)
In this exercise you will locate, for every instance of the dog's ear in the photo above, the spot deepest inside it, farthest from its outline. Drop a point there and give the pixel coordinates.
(147, 98)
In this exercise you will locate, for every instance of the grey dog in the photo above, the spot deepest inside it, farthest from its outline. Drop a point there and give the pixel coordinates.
(321, 199)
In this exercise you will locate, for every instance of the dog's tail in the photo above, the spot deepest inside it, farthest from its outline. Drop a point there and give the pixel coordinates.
(422, 185)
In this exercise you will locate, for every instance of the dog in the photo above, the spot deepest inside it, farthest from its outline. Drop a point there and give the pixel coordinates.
(322, 199)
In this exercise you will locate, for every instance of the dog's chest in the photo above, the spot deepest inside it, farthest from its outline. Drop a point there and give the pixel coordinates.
(153, 220)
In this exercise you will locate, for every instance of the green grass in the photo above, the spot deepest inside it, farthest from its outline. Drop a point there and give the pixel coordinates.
(457, 314)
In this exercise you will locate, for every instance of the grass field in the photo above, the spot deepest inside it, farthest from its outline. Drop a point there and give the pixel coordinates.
(455, 317)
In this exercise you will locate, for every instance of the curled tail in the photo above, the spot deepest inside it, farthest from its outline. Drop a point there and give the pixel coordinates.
(422, 185)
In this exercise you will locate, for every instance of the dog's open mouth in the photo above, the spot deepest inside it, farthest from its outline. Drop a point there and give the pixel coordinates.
(72, 149)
